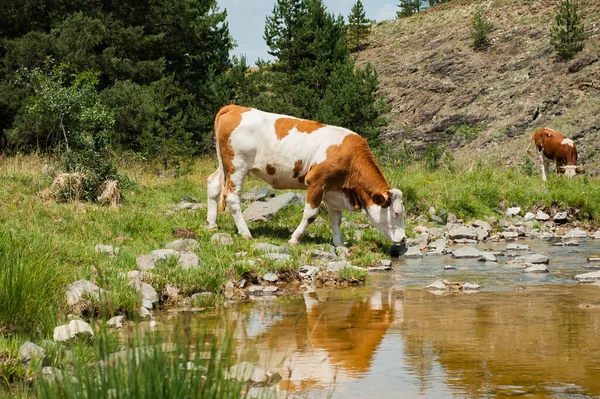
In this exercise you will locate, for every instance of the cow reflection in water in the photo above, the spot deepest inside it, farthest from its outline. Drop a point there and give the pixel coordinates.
(323, 339)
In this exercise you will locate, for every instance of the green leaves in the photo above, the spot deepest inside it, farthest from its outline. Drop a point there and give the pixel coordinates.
(568, 34)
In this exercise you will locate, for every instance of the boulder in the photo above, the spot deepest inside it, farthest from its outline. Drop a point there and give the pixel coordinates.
(73, 329)
(514, 211)
(575, 233)
(533, 258)
(80, 289)
(560, 217)
(183, 244)
(588, 277)
(536, 268)
(221, 239)
(459, 232)
(116, 321)
(542, 216)
(412, 253)
(29, 351)
(466, 252)
(263, 211)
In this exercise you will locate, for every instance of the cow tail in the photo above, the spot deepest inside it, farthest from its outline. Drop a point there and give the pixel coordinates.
(222, 175)
(530, 142)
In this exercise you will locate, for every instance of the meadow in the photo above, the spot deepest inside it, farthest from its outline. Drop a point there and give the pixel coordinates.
(45, 245)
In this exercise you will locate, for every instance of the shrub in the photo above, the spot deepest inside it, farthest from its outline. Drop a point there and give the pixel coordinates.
(567, 35)
(480, 28)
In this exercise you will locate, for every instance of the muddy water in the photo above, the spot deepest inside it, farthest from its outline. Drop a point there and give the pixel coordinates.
(521, 335)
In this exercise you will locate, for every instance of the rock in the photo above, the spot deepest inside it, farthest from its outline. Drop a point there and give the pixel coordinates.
(147, 293)
(188, 260)
(575, 233)
(435, 232)
(259, 193)
(596, 235)
(183, 205)
(480, 224)
(80, 289)
(29, 351)
(106, 249)
(588, 277)
(560, 217)
(437, 285)
(449, 267)
(517, 247)
(144, 313)
(488, 257)
(270, 289)
(466, 253)
(529, 216)
(256, 289)
(337, 266)
(264, 247)
(276, 256)
(116, 321)
(509, 235)
(533, 258)
(381, 268)
(422, 240)
(320, 256)
(593, 258)
(542, 216)
(183, 244)
(439, 245)
(412, 253)
(160, 255)
(459, 232)
(470, 287)
(386, 262)
(270, 277)
(536, 268)
(514, 211)
(263, 211)
(73, 329)
(308, 271)
(420, 229)
(221, 239)
(145, 262)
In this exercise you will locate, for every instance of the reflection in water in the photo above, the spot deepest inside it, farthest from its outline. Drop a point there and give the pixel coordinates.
(393, 339)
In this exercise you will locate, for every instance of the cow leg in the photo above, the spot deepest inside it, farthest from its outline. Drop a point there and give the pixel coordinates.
(214, 190)
(314, 196)
(233, 199)
(335, 218)
(543, 165)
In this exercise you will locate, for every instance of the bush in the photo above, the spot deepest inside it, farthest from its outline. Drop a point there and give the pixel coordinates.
(568, 34)
(480, 28)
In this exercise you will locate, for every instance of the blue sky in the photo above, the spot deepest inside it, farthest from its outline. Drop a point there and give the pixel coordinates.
(247, 20)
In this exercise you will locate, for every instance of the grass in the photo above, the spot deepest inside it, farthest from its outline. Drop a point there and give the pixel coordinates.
(44, 246)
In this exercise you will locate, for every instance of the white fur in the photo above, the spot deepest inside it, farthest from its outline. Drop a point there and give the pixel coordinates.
(256, 145)
(568, 142)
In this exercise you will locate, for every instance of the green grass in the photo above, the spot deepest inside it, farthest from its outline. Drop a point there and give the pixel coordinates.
(44, 246)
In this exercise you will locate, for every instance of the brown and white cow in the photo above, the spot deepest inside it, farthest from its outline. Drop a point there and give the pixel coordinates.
(334, 164)
(553, 146)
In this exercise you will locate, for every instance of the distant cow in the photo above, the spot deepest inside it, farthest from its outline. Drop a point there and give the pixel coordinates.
(334, 164)
(553, 146)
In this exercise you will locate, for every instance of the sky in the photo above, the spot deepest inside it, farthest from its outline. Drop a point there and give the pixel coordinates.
(247, 20)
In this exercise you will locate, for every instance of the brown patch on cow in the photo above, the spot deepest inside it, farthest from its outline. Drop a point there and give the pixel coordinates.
(297, 168)
(284, 125)
(228, 118)
(271, 169)
(351, 168)
(549, 142)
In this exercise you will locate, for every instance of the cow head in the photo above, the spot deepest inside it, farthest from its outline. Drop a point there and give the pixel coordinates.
(572, 170)
(387, 215)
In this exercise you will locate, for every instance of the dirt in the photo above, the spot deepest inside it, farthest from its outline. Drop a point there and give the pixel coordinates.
(435, 82)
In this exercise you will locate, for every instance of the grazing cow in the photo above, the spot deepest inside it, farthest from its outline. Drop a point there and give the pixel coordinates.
(333, 164)
(553, 146)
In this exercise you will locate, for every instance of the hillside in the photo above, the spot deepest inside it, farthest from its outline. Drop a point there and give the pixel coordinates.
(435, 82)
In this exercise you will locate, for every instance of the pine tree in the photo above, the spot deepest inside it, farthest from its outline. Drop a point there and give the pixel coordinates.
(568, 33)
(408, 8)
(358, 27)
(480, 28)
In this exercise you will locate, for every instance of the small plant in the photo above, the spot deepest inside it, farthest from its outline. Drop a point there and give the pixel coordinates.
(432, 155)
(480, 28)
(466, 131)
(527, 166)
(568, 33)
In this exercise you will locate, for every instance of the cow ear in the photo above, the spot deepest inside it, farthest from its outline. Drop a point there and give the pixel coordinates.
(383, 200)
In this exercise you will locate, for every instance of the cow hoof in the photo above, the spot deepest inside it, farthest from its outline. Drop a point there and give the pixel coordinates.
(247, 236)
(293, 241)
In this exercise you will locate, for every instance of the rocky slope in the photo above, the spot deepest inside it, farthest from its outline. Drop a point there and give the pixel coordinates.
(435, 82)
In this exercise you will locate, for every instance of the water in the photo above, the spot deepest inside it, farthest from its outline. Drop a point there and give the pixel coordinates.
(534, 336)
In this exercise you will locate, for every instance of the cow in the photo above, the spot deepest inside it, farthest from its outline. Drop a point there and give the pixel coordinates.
(334, 165)
(553, 146)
